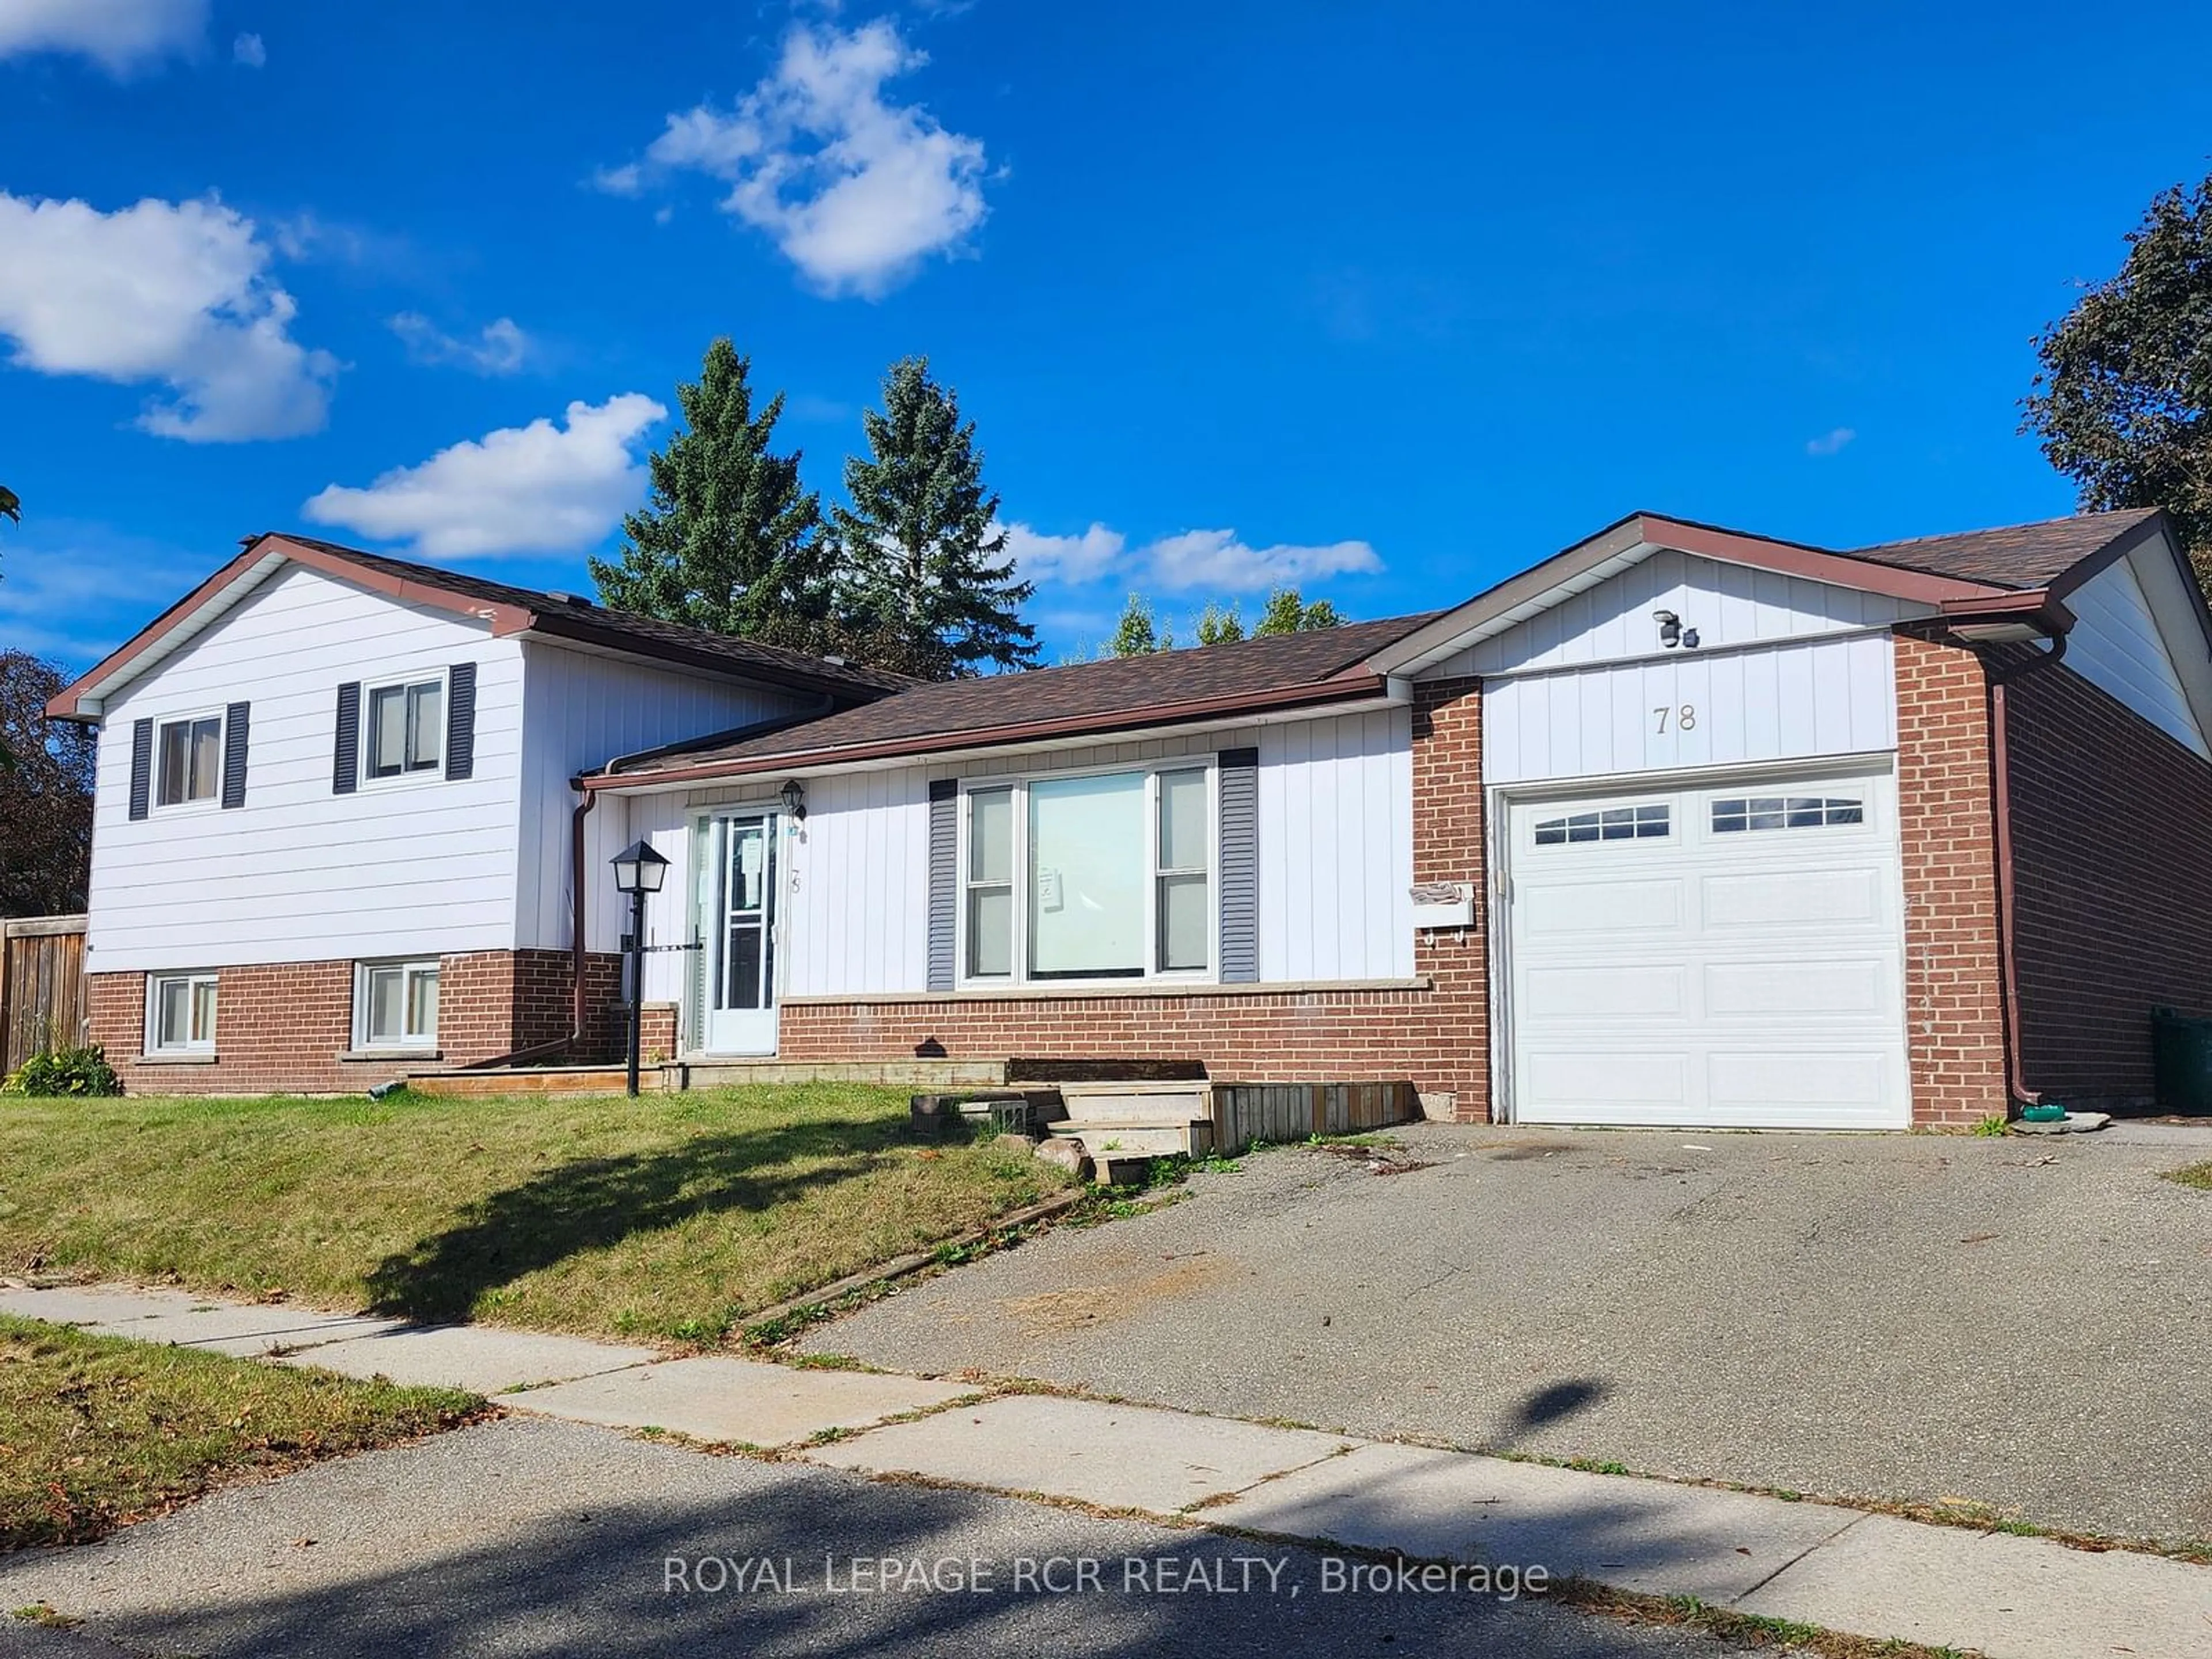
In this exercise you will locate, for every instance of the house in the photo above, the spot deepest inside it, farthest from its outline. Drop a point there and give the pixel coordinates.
(1681, 826)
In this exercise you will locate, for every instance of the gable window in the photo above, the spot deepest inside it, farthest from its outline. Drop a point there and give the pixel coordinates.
(180, 1013)
(406, 728)
(190, 769)
(1098, 875)
(1749, 813)
(396, 1005)
(1646, 823)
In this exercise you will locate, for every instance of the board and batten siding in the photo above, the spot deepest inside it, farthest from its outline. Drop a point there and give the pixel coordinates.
(299, 873)
(1335, 839)
(2117, 645)
(1727, 604)
(1818, 697)
(584, 708)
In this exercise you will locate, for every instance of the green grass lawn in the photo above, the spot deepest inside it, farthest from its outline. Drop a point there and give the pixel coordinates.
(97, 1431)
(673, 1216)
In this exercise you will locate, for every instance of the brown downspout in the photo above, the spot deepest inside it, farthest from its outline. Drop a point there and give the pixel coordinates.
(2016, 1087)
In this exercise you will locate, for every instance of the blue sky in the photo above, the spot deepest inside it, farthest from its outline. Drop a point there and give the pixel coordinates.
(1388, 300)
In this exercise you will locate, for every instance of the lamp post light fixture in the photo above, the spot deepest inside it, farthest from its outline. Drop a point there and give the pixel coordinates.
(638, 871)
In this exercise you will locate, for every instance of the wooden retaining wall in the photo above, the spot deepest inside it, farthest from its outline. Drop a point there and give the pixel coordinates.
(1281, 1112)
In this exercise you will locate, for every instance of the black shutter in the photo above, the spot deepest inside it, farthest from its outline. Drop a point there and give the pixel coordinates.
(943, 880)
(1240, 865)
(345, 756)
(233, 754)
(461, 721)
(141, 767)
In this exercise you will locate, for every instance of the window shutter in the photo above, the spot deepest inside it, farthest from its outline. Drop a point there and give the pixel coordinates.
(345, 763)
(141, 767)
(1240, 865)
(233, 754)
(461, 721)
(944, 879)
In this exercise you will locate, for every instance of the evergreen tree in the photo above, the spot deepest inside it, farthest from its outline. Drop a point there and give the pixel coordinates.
(729, 541)
(1287, 612)
(923, 560)
(1219, 625)
(1138, 634)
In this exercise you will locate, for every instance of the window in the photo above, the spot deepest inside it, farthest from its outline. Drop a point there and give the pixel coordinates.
(1607, 823)
(396, 1005)
(1099, 876)
(406, 728)
(180, 1014)
(190, 751)
(1747, 812)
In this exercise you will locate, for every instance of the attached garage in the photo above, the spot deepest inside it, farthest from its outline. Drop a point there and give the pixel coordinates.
(1729, 954)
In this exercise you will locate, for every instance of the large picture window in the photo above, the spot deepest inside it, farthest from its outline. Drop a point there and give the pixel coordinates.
(1095, 876)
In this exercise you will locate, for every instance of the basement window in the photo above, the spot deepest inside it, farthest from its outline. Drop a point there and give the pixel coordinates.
(1646, 823)
(395, 1004)
(180, 1013)
(1744, 813)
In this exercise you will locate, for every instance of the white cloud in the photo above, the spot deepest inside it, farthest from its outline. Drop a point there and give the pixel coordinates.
(1831, 442)
(249, 51)
(536, 488)
(1215, 560)
(118, 35)
(176, 293)
(855, 191)
(500, 347)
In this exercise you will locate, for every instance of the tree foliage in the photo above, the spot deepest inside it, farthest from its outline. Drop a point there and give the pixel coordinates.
(11, 505)
(45, 794)
(922, 561)
(2123, 403)
(1287, 612)
(1138, 634)
(1219, 625)
(730, 539)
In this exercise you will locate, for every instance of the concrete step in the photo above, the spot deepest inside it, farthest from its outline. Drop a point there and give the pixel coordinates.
(1105, 1102)
(1137, 1137)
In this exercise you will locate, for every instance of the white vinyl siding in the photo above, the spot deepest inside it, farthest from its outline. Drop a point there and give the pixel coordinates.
(1823, 697)
(1336, 848)
(585, 708)
(2116, 646)
(1727, 604)
(303, 873)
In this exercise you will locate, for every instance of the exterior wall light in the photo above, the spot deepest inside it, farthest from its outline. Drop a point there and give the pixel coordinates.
(793, 794)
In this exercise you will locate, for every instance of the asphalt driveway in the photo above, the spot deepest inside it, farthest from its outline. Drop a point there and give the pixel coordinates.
(2022, 1322)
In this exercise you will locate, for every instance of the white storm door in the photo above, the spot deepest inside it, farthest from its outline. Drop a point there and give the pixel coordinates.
(737, 882)
(1727, 956)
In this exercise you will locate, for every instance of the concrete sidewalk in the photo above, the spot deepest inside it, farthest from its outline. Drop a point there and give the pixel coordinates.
(1870, 1574)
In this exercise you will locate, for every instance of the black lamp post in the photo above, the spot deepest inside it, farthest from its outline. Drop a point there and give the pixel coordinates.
(638, 871)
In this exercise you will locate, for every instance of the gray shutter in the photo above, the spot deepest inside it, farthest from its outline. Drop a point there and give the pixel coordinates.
(233, 754)
(461, 721)
(345, 756)
(141, 767)
(943, 880)
(1240, 865)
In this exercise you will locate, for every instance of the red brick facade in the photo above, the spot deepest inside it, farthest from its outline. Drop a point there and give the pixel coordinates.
(1954, 984)
(1437, 1037)
(288, 1026)
(2112, 824)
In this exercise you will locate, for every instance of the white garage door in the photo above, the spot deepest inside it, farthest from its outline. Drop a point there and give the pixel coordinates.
(1726, 957)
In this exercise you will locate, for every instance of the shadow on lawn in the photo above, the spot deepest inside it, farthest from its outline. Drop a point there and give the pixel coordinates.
(590, 1203)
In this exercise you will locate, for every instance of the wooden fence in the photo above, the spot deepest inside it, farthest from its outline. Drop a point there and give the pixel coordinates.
(1280, 1112)
(42, 990)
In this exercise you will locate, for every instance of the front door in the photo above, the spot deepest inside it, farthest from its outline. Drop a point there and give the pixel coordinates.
(738, 927)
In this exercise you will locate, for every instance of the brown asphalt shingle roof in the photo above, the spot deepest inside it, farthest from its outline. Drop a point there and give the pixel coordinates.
(2017, 556)
(569, 615)
(1116, 691)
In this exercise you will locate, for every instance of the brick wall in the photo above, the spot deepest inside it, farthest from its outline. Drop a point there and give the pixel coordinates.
(1953, 988)
(1438, 1038)
(2112, 886)
(282, 1027)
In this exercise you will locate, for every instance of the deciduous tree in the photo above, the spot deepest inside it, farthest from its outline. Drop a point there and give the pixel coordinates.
(1287, 612)
(45, 794)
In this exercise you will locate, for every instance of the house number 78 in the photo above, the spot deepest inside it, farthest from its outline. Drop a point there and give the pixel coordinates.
(1685, 718)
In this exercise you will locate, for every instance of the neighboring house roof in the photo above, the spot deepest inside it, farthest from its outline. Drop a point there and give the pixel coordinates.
(507, 608)
(1280, 671)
